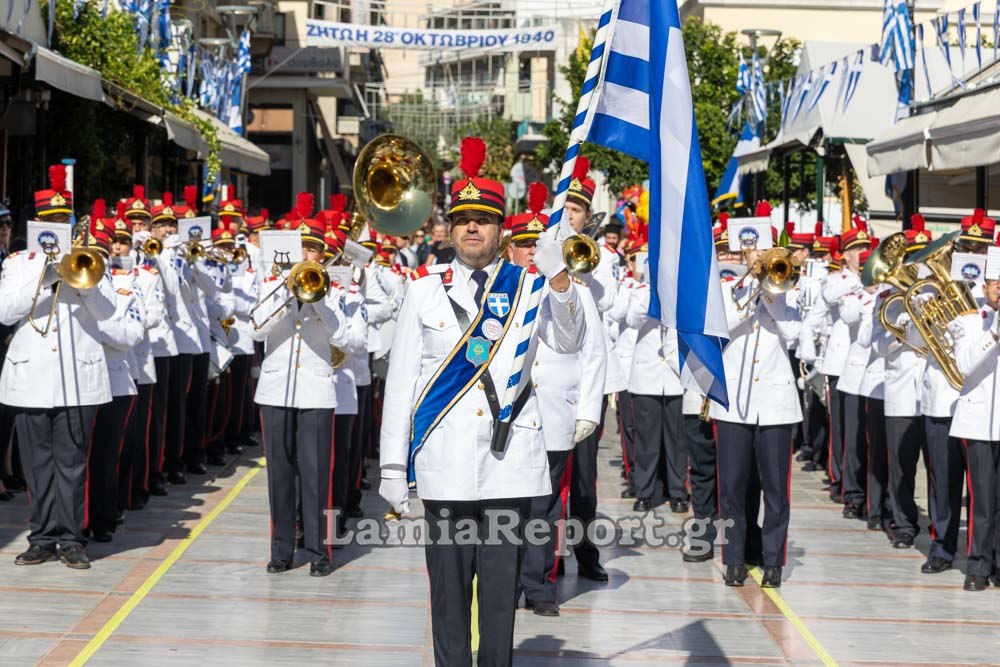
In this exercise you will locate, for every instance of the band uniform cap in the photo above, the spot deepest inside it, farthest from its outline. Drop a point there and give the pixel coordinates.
(978, 228)
(473, 193)
(531, 223)
(56, 199)
(231, 208)
(857, 236)
(581, 186)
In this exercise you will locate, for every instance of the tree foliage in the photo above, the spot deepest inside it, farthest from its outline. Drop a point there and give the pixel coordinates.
(500, 134)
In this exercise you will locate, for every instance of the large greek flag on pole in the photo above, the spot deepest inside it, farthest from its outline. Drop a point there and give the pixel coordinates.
(639, 102)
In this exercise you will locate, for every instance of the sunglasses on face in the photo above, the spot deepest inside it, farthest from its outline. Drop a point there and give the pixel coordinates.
(524, 243)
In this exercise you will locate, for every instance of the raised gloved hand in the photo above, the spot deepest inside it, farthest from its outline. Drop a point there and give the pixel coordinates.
(548, 256)
(584, 429)
(140, 238)
(395, 491)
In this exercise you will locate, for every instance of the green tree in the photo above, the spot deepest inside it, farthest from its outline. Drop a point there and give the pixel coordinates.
(500, 134)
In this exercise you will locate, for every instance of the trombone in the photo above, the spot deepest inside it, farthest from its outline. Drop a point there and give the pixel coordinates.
(81, 269)
(778, 271)
(307, 281)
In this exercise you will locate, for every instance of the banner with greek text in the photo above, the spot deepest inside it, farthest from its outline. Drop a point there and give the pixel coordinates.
(330, 33)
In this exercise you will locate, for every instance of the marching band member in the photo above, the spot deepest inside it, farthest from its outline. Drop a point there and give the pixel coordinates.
(119, 334)
(566, 400)
(800, 245)
(220, 307)
(246, 281)
(763, 409)
(461, 325)
(904, 426)
(975, 337)
(56, 381)
(297, 399)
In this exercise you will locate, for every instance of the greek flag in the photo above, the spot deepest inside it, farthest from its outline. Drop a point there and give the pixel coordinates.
(828, 72)
(743, 82)
(978, 18)
(759, 91)
(641, 105)
(853, 77)
(731, 185)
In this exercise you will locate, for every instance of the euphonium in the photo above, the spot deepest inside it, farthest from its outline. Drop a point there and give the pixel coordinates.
(777, 270)
(152, 247)
(81, 269)
(394, 185)
(948, 299)
(887, 265)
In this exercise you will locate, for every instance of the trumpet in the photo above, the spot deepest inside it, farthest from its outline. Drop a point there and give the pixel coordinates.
(580, 254)
(82, 269)
(239, 255)
(152, 247)
(778, 271)
(307, 281)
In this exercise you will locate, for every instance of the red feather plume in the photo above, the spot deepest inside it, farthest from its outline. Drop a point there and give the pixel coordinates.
(978, 215)
(819, 229)
(508, 223)
(581, 167)
(860, 224)
(99, 210)
(789, 228)
(138, 192)
(191, 196)
(473, 156)
(763, 209)
(168, 198)
(57, 177)
(264, 213)
(724, 220)
(338, 202)
(304, 203)
(537, 195)
(917, 223)
(120, 212)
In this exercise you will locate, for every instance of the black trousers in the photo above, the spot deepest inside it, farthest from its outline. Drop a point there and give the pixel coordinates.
(739, 445)
(360, 436)
(583, 490)
(538, 569)
(819, 430)
(133, 468)
(451, 568)
(239, 402)
(176, 415)
(855, 458)
(342, 427)
(835, 458)
(877, 498)
(159, 413)
(298, 443)
(659, 441)
(946, 469)
(196, 422)
(984, 507)
(54, 443)
(106, 449)
(626, 418)
(700, 440)
(904, 438)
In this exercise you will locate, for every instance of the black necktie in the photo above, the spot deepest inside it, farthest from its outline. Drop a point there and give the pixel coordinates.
(479, 276)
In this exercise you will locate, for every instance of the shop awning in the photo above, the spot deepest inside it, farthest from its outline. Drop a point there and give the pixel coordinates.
(68, 75)
(966, 134)
(902, 147)
(318, 86)
(237, 152)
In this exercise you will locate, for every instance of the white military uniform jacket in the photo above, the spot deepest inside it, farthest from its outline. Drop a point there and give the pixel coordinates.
(904, 368)
(148, 286)
(655, 365)
(977, 355)
(869, 329)
(296, 370)
(246, 291)
(627, 336)
(815, 321)
(177, 287)
(571, 386)
(121, 333)
(355, 343)
(759, 376)
(836, 287)
(456, 461)
(857, 354)
(66, 368)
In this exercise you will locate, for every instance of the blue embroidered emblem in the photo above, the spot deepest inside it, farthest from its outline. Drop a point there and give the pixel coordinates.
(498, 303)
(478, 351)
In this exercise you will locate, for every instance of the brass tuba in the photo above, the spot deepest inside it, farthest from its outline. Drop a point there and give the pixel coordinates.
(394, 185)
(887, 265)
(948, 300)
(81, 269)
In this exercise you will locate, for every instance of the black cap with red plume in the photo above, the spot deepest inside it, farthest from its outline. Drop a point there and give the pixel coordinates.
(473, 193)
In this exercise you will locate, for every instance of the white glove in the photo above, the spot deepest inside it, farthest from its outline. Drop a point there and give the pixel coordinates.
(584, 429)
(50, 276)
(139, 238)
(396, 492)
(548, 256)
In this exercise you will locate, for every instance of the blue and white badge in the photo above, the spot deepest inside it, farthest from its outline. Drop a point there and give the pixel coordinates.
(492, 329)
(478, 351)
(498, 303)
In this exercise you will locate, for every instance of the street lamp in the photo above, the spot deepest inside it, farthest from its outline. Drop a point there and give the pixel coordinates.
(236, 18)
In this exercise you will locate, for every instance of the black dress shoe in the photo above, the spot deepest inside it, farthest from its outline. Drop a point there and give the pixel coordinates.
(176, 478)
(196, 469)
(975, 582)
(628, 493)
(74, 557)
(678, 506)
(642, 505)
(874, 523)
(277, 566)
(101, 535)
(234, 449)
(355, 512)
(6, 496)
(216, 460)
(320, 568)
(852, 511)
(14, 483)
(934, 565)
(810, 467)
(157, 489)
(771, 578)
(365, 485)
(688, 557)
(902, 542)
(543, 608)
(36, 555)
(735, 575)
(594, 572)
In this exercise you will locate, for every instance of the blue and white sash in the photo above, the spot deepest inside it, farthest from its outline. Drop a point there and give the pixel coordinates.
(470, 358)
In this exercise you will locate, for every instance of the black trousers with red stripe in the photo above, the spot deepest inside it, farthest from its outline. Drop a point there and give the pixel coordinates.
(835, 431)
(904, 438)
(176, 412)
(878, 459)
(102, 464)
(538, 576)
(739, 447)
(298, 443)
(626, 418)
(855, 461)
(158, 421)
(583, 490)
(196, 421)
(701, 454)
(133, 469)
(984, 507)
(342, 427)
(360, 436)
(946, 472)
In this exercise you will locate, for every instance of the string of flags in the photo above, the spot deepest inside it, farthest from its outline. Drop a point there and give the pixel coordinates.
(897, 50)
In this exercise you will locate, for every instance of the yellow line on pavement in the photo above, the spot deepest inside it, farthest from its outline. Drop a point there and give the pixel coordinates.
(115, 621)
(796, 622)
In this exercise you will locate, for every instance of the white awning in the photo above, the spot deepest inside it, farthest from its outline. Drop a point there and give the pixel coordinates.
(754, 161)
(237, 152)
(68, 75)
(902, 147)
(966, 134)
(319, 86)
